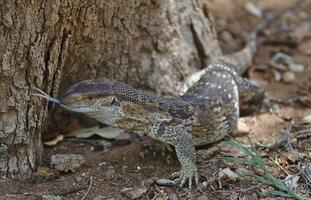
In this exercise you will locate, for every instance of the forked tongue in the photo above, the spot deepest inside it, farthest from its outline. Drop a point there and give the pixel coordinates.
(46, 96)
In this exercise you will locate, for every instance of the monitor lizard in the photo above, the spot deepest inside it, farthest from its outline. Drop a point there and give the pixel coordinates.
(206, 111)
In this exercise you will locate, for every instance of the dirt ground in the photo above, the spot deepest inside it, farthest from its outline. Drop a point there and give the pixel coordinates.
(129, 168)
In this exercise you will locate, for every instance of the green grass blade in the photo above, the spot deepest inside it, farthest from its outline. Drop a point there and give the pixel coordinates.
(268, 179)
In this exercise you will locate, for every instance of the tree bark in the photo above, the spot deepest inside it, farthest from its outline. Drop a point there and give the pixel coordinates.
(151, 44)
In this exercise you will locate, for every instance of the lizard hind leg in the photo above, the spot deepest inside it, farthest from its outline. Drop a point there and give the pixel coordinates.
(251, 96)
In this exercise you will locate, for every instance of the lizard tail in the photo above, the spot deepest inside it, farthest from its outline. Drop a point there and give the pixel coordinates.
(242, 59)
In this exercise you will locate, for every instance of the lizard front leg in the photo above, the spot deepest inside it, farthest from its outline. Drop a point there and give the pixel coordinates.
(178, 136)
(186, 155)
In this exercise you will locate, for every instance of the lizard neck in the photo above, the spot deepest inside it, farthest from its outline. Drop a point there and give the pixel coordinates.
(132, 109)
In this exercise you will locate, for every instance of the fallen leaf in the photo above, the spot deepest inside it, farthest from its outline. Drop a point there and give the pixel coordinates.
(54, 141)
(105, 132)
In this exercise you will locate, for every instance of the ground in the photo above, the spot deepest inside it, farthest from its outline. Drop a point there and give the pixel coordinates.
(130, 168)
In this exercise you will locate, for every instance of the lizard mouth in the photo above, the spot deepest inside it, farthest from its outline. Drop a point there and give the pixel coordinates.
(44, 95)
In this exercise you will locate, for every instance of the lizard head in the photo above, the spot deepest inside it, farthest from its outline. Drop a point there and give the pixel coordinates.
(89, 96)
(85, 97)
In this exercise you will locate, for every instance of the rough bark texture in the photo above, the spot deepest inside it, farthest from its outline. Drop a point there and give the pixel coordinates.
(52, 44)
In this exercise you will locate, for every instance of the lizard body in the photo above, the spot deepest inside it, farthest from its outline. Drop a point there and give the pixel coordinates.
(206, 111)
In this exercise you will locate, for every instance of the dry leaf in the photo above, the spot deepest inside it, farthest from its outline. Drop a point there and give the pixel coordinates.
(105, 132)
(54, 141)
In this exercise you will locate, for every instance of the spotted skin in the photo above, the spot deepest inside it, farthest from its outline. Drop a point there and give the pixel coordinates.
(217, 98)
(205, 114)
(206, 111)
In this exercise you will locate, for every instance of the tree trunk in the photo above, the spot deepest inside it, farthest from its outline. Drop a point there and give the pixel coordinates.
(51, 44)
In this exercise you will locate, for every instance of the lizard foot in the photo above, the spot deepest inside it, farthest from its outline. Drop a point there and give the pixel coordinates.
(186, 174)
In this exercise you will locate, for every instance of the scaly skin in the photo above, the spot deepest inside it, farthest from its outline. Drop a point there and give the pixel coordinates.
(206, 111)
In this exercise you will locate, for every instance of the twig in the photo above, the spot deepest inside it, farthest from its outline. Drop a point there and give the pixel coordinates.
(278, 164)
(69, 191)
(155, 196)
(304, 136)
(240, 190)
(88, 190)
(200, 190)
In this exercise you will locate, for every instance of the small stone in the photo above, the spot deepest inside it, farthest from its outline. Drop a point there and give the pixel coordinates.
(253, 9)
(134, 193)
(289, 77)
(228, 173)
(294, 67)
(67, 162)
(165, 182)
(78, 179)
(174, 196)
(107, 172)
(51, 197)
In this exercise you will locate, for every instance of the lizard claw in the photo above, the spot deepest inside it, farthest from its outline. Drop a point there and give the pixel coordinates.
(184, 175)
